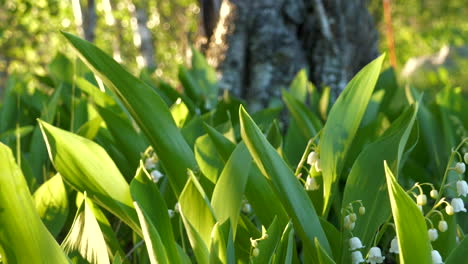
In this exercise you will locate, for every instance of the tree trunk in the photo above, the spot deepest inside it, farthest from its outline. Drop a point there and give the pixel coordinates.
(260, 45)
(142, 36)
(85, 19)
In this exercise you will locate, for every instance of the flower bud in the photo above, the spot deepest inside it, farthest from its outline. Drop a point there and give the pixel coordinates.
(421, 199)
(353, 217)
(362, 210)
(460, 167)
(312, 158)
(434, 194)
(465, 157)
(449, 210)
(255, 252)
(348, 224)
(253, 242)
(433, 235)
(443, 226)
(247, 208)
(318, 166)
(177, 208)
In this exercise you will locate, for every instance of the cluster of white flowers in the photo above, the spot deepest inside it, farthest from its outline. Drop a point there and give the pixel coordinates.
(151, 167)
(254, 242)
(349, 222)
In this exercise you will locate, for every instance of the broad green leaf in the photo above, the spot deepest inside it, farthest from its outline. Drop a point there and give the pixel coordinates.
(410, 225)
(298, 87)
(87, 167)
(458, 255)
(198, 217)
(366, 180)
(52, 204)
(257, 190)
(290, 192)
(131, 143)
(229, 190)
(222, 244)
(208, 159)
(342, 124)
(283, 252)
(23, 236)
(85, 242)
(153, 241)
(153, 216)
(146, 107)
(323, 257)
(180, 113)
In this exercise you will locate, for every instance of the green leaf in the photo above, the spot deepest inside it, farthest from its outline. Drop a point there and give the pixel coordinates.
(87, 167)
(207, 158)
(146, 107)
(410, 225)
(229, 190)
(305, 119)
(222, 244)
(458, 255)
(153, 241)
(291, 193)
(323, 257)
(85, 241)
(198, 217)
(366, 181)
(153, 216)
(52, 204)
(23, 236)
(286, 243)
(342, 124)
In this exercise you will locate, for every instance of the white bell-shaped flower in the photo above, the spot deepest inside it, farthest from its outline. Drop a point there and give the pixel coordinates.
(355, 243)
(150, 163)
(247, 208)
(177, 208)
(394, 246)
(356, 257)
(443, 226)
(375, 256)
(460, 167)
(312, 158)
(465, 157)
(433, 234)
(156, 175)
(311, 184)
(462, 188)
(171, 213)
(458, 205)
(434, 194)
(436, 258)
(421, 199)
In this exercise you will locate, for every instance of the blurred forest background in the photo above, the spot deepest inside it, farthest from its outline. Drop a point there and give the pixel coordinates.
(157, 35)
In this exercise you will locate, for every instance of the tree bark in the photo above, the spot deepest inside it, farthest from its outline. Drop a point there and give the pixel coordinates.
(142, 36)
(259, 46)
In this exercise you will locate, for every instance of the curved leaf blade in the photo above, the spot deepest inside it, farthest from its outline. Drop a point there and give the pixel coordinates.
(342, 124)
(410, 224)
(23, 236)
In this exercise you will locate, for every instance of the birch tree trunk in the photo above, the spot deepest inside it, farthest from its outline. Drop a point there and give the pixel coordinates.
(259, 46)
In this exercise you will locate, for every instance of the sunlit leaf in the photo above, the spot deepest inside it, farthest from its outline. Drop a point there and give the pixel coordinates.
(23, 236)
